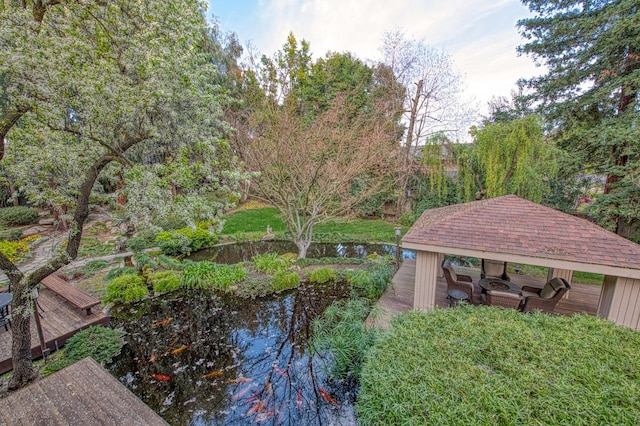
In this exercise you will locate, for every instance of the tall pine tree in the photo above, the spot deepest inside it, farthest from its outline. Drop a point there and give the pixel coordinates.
(590, 93)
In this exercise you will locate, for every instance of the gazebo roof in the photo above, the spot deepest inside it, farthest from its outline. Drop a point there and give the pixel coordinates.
(510, 225)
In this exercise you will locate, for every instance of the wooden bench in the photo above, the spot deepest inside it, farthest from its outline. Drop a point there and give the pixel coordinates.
(71, 294)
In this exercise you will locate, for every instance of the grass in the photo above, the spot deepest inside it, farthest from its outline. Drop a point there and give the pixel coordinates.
(252, 223)
(483, 365)
(541, 272)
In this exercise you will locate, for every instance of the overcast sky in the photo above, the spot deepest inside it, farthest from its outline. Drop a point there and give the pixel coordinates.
(480, 35)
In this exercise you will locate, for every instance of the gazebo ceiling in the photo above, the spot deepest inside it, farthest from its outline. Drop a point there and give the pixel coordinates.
(512, 226)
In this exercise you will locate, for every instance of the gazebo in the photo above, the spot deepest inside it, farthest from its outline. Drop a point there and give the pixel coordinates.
(512, 229)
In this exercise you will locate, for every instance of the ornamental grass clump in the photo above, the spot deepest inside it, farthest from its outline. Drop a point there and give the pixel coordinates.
(269, 263)
(322, 275)
(371, 282)
(284, 280)
(207, 274)
(164, 281)
(484, 365)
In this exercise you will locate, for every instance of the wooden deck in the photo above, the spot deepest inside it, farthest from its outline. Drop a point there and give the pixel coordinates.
(59, 319)
(398, 297)
(83, 393)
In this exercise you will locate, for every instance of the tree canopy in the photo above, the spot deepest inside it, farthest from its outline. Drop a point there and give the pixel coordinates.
(93, 91)
(589, 96)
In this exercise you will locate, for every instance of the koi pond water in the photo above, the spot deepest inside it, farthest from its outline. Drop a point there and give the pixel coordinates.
(201, 357)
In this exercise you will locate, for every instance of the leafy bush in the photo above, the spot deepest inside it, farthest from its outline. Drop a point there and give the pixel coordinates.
(126, 288)
(408, 218)
(211, 275)
(322, 275)
(341, 332)
(100, 343)
(11, 234)
(284, 280)
(125, 270)
(371, 282)
(164, 281)
(254, 287)
(269, 263)
(18, 216)
(483, 365)
(138, 244)
(185, 240)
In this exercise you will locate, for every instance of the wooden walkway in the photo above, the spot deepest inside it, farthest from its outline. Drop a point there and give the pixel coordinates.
(59, 319)
(399, 295)
(82, 394)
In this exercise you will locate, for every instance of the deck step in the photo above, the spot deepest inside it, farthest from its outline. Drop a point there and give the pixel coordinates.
(71, 294)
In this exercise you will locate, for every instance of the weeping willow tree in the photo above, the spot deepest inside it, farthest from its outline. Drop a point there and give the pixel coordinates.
(509, 158)
(438, 158)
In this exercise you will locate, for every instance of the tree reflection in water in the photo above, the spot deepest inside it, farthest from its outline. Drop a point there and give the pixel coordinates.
(199, 357)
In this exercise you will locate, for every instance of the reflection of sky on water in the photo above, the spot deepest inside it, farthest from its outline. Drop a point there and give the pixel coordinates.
(245, 361)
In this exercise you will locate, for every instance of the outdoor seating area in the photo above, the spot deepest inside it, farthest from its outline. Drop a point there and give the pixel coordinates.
(496, 289)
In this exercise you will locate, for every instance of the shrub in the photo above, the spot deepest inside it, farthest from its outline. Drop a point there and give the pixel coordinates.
(322, 275)
(138, 244)
(18, 216)
(143, 259)
(284, 280)
(483, 365)
(92, 247)
(371, 282)
(269, 263)
(11, 234)
(254, 287)
(164, 281)
(170, 263)
(126, 288)
(100, 343)
(125, 270)
(185, 240)
(211, 275)
(341, 332)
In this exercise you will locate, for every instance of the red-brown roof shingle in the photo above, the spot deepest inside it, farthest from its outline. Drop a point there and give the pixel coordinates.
(512, 225)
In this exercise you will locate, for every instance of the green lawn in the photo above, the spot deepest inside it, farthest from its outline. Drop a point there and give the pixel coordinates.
(250, 224)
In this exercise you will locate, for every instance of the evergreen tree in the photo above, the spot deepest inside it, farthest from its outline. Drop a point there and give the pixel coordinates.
(590, 93)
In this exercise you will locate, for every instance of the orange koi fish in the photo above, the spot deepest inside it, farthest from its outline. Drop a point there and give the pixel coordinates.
(163, 322)
(327, 397)
(178, 350)
(213, 374)
(241, 393)
(239, 380)
(268, 388)
(152, 359)
(161, 377)
(258, 407)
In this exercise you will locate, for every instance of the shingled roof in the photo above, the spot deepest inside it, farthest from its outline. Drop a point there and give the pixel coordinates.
(511, 225)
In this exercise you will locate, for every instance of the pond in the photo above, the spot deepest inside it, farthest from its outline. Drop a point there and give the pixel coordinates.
(239, 252)
(203, 358)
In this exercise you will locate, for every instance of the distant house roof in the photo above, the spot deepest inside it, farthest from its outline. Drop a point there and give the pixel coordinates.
(515, 229)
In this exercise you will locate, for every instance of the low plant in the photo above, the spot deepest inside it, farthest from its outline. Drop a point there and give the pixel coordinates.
(185, 240)
(125, 288)
(284, 280)
(143, 259)
(483, 365)
(124, 270)
(17, 251)
(254, 287)
(18, 216)
(100, 343)
(94, 266)
(372, 281)
(11, 234)
(211, 275)
(269, 263)
(164, 281)
(341, 332)
(92, 247)
(138, 244)
(322, 275)
(329, 261)
(170, 263)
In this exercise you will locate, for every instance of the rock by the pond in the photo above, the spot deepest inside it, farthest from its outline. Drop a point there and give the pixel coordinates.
(47, 221)
(34, 230)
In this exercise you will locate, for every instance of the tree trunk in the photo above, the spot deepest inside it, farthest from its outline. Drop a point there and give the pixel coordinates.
(23, 371)
(405, 162)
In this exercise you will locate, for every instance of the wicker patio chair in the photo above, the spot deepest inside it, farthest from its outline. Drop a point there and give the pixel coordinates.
(546, 298)
(503, 299)
(494, 269)
(457, 282)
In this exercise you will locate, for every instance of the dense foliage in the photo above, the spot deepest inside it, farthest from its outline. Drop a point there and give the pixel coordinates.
(18, 216)
(484, 365)
(100, 343)
(125, 288)
(185, 240)
(590, 93)
(207, 274)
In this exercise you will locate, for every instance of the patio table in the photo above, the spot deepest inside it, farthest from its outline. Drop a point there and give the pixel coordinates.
(498, 284)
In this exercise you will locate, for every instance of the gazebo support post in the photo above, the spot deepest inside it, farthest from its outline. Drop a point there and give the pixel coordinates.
(427, 267)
